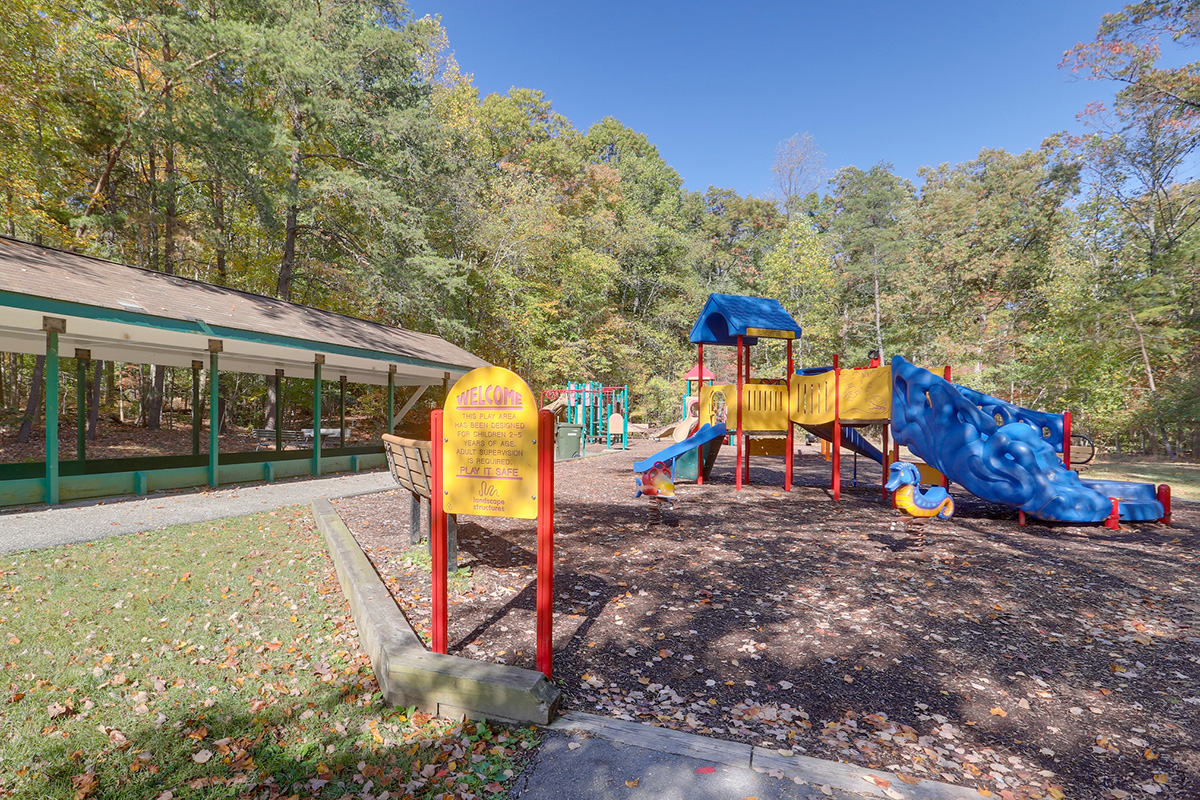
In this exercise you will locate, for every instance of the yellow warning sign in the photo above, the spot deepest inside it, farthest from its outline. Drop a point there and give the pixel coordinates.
(490, 452)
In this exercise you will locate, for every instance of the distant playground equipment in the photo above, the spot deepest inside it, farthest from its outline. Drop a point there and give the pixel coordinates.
(905, 485)
(600, 412)
(998, 451)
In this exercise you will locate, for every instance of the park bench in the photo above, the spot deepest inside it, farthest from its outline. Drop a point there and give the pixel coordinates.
(266, 438)
(411, 463)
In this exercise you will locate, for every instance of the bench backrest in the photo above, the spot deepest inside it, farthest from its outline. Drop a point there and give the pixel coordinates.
(411, 463)
(286, 435)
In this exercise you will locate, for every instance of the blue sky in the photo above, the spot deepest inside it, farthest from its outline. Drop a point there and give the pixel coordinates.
(716, 86)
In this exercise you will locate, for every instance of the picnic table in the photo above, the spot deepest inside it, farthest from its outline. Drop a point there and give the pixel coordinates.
(326, 433)
(411, 463)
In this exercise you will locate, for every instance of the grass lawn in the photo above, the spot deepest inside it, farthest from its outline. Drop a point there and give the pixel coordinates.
(1183, 477)
(215, 660)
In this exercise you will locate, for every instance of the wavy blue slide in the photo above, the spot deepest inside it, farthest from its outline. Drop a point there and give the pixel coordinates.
(1003, 453)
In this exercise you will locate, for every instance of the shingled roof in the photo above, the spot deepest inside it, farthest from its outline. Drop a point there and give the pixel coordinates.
(125, 313)
(726, 316)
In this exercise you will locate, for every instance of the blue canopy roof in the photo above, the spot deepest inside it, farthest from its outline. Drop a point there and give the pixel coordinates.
(725, 316)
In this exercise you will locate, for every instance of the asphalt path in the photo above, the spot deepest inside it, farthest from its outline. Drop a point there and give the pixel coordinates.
(88, 520)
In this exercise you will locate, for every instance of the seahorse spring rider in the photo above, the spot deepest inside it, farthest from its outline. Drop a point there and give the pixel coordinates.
(905, 481)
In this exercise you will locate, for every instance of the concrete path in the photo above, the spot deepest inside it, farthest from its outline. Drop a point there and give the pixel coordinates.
(95, 519)
(585, 756)
(599, 768)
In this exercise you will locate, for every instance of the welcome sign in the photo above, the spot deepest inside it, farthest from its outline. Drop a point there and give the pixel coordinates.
(490, 462)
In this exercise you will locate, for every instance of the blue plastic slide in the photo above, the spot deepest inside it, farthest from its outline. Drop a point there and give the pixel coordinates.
(705, 434)
(1001, 452)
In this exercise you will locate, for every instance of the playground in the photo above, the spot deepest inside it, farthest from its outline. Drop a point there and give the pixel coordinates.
(1013, 659)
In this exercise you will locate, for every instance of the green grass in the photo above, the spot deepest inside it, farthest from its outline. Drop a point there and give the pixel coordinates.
(1183, 477)
(215, 660)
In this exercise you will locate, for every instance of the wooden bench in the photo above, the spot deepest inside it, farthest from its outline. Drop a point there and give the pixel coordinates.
(411, 463)
(266, 438)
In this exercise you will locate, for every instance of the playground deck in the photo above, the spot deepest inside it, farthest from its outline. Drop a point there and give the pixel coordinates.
(1052, 657)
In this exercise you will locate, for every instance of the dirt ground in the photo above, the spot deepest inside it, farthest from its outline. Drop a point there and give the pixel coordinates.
(1038, 662)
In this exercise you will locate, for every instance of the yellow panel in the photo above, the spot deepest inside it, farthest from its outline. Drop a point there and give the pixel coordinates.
(866, 395)
(929, 474)
(764, 406)
(490, 455)
(770, 333)
(812, 398)
(772, 446)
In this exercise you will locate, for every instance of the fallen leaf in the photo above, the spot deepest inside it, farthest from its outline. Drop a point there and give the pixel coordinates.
(574, 746)
(1055, 791)
(705, 770)
(202, 756)
(909, 779)
(1150, 754)
(999, 712)
(1161, 778)
(633, 783)
(882, 783)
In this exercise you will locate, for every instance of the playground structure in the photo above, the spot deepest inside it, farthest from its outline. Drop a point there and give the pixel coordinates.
(601, 411)
(996, 450)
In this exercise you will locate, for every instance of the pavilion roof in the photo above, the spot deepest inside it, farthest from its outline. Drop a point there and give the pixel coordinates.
(124, 313)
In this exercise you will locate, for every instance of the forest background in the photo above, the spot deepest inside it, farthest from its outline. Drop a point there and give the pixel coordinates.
(331, 152)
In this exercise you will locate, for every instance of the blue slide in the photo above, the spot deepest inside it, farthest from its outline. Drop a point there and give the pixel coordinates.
(1003, 453)
(705, 434)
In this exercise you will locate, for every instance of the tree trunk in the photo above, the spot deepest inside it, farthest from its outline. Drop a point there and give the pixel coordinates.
(288, 264)
(154, 405)
(272, 402)
(94, 407)
(33, 407)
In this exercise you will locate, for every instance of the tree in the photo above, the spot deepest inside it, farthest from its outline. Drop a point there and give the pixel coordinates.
(799, 170)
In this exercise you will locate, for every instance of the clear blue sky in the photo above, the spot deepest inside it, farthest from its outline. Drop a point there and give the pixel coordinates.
(717, 85)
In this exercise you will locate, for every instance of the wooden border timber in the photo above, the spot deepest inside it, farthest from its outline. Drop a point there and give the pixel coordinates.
(410, 675)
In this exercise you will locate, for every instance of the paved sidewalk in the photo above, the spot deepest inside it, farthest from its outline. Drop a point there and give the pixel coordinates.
(585, 756)
(95, 519)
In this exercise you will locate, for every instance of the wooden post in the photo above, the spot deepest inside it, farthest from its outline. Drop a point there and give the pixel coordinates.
(789, 439)
(439, 621)
(545, 545)
(196, 423)
(214, 417)
(318, 362)
(82, 357)
(686, 405)
(738, 478)
(837, 430)
(53, 326)
(1066, 440)
(278, 410)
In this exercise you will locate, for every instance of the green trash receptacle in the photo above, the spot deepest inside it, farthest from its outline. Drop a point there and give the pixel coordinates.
(568, 441)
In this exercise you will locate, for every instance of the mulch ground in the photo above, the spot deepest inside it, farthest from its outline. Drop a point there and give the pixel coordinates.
(1038, 662)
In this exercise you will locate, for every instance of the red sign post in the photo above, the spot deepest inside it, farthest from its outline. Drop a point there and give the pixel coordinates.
(493, 455)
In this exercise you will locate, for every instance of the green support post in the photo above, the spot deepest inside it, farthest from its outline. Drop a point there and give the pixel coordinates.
(53, 326)
(316, 457)
(342, 417)
(391, 398)
(196, 367)
(278, 410)
(214, 417)
(82, 357)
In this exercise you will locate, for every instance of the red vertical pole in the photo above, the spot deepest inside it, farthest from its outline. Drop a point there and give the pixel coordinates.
(1066, 440)
(746, 458)
(1114, 518)
(686, 422)
(738, 479)
(1020, 518)
(895, 458)
(437, 537)
(1164, 497)
(837, 430)
(946, 375)
(545, 545)
(886, 465)
(789, 441)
